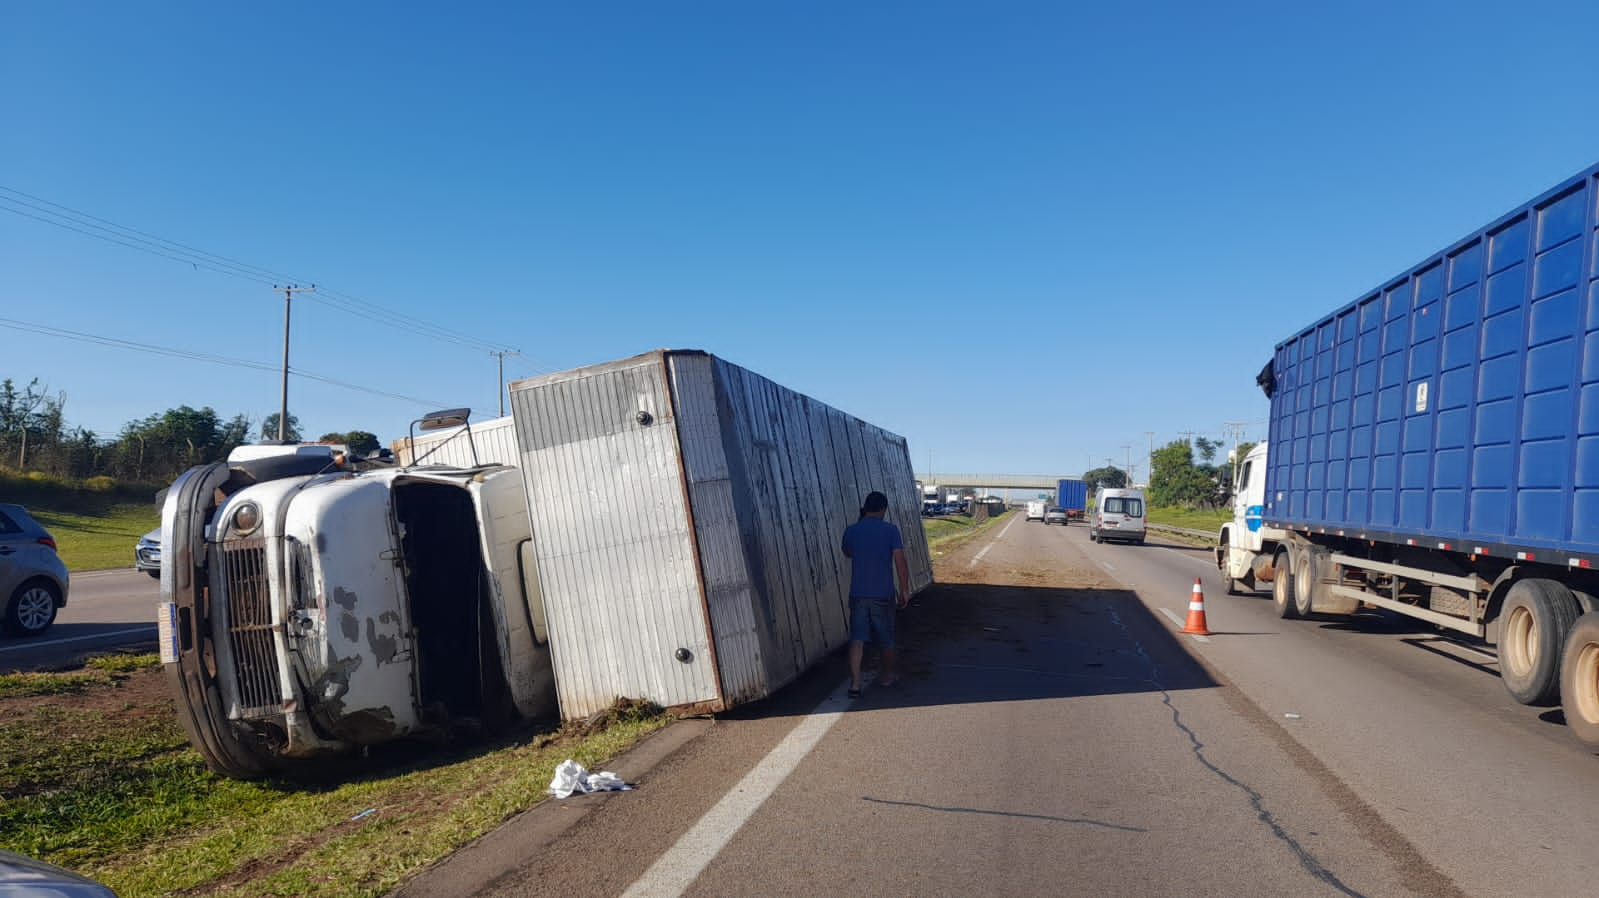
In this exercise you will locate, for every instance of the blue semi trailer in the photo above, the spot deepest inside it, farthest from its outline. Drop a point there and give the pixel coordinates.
(1072, 495)
(1434, 450)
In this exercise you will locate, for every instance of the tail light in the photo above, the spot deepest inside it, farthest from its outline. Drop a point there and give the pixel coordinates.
(48, 541)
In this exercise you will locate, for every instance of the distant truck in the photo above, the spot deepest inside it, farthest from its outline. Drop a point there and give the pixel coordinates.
(1072, 495)
(645, 543)
(1432, 452)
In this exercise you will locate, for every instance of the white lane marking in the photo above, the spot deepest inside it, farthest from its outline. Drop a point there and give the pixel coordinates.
(1107, 565)
(673, 872)
(31, 644)
(1172, 616)
(984, 551)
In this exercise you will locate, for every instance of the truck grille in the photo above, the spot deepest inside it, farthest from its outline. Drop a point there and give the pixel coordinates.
(250, 624)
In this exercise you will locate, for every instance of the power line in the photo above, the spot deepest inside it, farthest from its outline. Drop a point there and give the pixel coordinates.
(117, 343)
(103, 229)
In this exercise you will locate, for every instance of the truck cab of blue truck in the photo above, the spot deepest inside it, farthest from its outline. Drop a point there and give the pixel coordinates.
(1434, 451)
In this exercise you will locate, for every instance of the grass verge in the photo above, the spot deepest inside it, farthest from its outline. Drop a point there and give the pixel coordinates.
(95, 542)
(106, 784)
(944, 534)
(1193, 520)
(96, 522)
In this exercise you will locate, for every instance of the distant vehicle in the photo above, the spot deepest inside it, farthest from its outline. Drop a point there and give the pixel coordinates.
(1035, 511)
(147, 554)
(33, 580)
(1056, 515)
(1119, 515)
(22, 875)
(1072, 495)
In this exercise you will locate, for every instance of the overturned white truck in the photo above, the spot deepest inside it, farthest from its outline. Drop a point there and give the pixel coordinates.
(309, 609)
(668, 532)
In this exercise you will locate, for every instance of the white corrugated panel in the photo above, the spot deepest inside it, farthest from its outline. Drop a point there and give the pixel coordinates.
(495, 440)
(715, 524)
(729, 595)
(612, 537)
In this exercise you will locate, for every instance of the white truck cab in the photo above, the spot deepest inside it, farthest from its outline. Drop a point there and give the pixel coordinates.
(1245, 546)
(293, 627)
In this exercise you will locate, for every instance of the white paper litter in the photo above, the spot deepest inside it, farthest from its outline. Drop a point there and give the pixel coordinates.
(571, 777)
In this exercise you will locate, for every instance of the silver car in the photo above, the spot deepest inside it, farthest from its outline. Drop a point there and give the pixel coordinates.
(33, 580)
(147, 554)
(21, 875)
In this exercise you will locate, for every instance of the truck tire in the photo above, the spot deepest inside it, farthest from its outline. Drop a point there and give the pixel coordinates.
(1282, 587)
(1537, 616)
(1308, 567)
(1579, 680)
(1224, 554)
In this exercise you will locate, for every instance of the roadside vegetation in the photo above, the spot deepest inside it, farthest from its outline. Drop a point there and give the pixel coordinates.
(944, 534)
(95, 521)
(99, 778)
(1192, 519)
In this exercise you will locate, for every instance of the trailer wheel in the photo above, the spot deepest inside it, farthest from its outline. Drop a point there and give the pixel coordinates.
(1538, 614)
(1282, 586)
(1579, 680)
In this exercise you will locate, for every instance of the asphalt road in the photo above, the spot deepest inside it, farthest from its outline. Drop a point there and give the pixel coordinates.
(1057, 736)
(105, 610)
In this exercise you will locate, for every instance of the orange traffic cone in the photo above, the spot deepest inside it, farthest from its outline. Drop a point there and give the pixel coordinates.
(1196, 613)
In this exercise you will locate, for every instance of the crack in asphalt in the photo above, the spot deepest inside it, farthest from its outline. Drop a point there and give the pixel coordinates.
(948, 810)
(1256, 800)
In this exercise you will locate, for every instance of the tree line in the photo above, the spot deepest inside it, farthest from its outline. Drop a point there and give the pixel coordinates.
(1178, 480)
(36, 436)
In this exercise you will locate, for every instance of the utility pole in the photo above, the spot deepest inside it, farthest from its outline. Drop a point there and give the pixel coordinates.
(1129, 448)
(283, 397)
(499, 387)
(1151, 435)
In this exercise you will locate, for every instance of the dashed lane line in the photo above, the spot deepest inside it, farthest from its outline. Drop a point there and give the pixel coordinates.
(984, 551)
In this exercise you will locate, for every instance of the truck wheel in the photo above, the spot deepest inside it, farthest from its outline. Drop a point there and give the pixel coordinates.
(1224, 562)
(1579, 680)
(1307, 580)
(1537, 615)
(1282, 587)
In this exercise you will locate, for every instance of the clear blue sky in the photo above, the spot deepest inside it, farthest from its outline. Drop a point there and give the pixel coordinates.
(1021, 235)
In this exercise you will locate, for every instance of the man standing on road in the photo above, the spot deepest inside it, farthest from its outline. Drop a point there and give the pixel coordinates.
(879, 581)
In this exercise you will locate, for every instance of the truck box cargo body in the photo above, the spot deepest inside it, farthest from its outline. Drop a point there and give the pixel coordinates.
(1434, 451)
(1072, 495)
(1458, 403)
(492, 442)
(687, 515)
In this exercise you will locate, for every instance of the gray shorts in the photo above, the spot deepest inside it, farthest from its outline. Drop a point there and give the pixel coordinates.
(872, 620)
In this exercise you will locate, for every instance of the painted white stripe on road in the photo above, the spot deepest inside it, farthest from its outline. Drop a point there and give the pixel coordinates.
(1172, 616)
(33, 644)
(673, 872)
(984, 551)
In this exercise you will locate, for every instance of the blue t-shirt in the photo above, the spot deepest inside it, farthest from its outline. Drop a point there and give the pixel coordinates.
(870, 543)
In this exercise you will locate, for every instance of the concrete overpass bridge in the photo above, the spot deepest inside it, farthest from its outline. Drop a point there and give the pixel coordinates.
(1009, 486)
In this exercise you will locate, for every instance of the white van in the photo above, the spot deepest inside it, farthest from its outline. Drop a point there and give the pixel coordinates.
(1035, 511)
(1118, 514)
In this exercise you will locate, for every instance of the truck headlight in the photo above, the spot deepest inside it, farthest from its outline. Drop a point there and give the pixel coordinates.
(246, 518)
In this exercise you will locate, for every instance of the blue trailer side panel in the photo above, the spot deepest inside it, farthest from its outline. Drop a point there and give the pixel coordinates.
(1071, 495)
(1458, 403)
